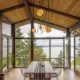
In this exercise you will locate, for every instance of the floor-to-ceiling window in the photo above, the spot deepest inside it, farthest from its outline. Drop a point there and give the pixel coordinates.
(57, 54)
(22, 45)
(41, 49)
(6, 47)
(47, 46)
(72, 53)
(77, 54)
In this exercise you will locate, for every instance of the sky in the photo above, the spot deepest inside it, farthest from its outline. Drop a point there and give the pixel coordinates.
(54, 33)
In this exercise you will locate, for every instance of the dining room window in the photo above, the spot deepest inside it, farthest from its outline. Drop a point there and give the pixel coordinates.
(6, 47)
(41, 49)
(22, 45)
(77, 54)
(57, 54)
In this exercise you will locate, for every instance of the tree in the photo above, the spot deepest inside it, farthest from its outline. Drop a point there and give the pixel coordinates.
(23, 50)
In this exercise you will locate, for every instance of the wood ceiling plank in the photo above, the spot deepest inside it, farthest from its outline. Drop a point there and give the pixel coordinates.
(62, 20)
(16, 15)
(55, 18)
(67, 6)
(9, 3)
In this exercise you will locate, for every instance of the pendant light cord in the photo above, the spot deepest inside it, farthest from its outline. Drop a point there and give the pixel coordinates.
(48, 11)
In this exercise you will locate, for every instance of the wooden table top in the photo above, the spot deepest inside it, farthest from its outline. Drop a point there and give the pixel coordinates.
(34, 66)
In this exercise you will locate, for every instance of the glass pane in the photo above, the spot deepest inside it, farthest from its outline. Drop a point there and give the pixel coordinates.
(72, 46)
(72, 63)
(42, 32)
(23, 31)
(57, 62)
(22, 52)
(66, 53)
(41, 53)
(56, 52)
(10, 53)
(72, 41)
(6, 29)
(41, 42)
(41, 49)
(72, 51)
(4, 54)
(77, 60)
(56, 42)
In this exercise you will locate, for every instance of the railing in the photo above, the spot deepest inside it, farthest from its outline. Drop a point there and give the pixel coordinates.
(24, 62)
(77, 63)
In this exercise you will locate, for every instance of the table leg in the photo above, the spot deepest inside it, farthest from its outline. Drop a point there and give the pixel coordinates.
(29, 76)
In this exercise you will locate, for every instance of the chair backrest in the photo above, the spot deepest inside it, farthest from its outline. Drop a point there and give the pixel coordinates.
(23, 70)
(58, 71)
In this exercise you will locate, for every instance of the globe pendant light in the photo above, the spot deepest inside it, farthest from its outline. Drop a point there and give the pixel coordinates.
(40, 11)
(48, 28)
(33, 29)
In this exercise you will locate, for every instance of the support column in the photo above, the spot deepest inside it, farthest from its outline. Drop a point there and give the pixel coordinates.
(32, 41)
(50, 50)
(64, 51)
(0, 43)
(1, 53)
(74, 53)
(13, 43)
(69, 49)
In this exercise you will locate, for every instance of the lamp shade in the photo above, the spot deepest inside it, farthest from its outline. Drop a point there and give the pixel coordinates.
(47, 28)
(33, 30)
(40, 12)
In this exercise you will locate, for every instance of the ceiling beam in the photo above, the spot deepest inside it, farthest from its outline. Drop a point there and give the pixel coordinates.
(22, 21)
(28, 11)
(55, 11)
(75, 26)
(58, 26)
(12, 8)
(44, 8)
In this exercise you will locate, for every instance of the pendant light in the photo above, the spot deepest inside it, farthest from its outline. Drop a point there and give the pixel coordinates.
(40, 11)
(47, 27)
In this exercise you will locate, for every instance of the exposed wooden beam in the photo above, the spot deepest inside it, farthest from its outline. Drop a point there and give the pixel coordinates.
(28, 11)
(55, 11)
(58, 26)
(22, 21)
(34, 5)
(75, 26)
(12, 8)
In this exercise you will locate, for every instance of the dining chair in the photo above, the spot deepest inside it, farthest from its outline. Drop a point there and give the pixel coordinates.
(23, 72)
(57, 73)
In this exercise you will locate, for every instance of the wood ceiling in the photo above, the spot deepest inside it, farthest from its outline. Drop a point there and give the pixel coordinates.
(62, 13)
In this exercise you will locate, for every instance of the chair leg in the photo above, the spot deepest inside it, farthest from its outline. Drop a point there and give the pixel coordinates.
(24, 78)
(57, 78)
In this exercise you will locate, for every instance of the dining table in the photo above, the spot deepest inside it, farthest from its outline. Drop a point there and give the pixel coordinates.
(40, 70)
